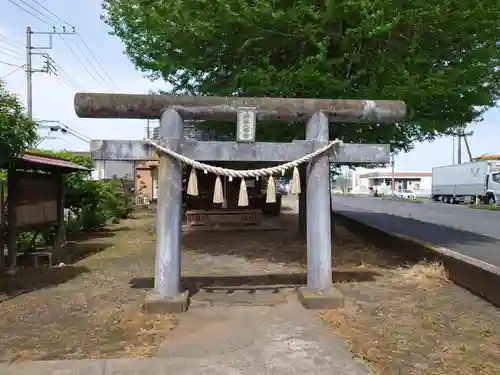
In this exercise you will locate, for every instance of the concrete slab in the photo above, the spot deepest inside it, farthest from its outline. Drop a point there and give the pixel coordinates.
(284, 339)
(240, 297)
(157, 304)
(220, 340)
(74, 367)
(136, 366)
(320, 301)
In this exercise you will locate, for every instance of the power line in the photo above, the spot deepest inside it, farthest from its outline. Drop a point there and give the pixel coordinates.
(11, 44)
(90, 64)
(30, 13)
(65, 77)
(10, 64)
(47, 138)
(9, 49)
(29, 70)
(36, 10)
(9, 54)
(77, 132)
(63, 128)
(66, 81)
(53, 14)
(95, 59)
(78, 48)
(79, 60)
(12, 72)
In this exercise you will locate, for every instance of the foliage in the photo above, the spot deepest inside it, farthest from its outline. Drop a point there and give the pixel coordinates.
(441, 58)
(16, 131)
(343, 183)
(94, 203)
(489, 207)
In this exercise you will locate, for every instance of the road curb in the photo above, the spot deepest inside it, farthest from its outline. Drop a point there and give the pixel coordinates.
(481, 278)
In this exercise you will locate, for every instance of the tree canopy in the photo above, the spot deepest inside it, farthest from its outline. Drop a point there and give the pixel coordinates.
(17, 133)
(440, 56)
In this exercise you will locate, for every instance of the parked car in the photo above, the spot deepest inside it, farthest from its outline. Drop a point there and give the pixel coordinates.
(282, 188)
(406, 194)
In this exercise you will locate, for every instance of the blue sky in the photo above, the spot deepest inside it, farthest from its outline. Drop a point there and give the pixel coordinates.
(53, 98)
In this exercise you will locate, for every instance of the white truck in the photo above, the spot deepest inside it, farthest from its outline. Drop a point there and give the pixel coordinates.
(466, 182)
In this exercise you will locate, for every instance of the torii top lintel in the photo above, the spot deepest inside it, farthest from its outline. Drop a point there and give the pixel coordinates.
(131, 106)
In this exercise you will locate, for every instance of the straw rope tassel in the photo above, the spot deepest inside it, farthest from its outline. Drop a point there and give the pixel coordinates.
(243, 196)
(271, 190)
(192, 188)
(218, 193)
(296, 182)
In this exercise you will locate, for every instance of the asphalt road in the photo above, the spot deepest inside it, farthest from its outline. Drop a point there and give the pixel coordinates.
(475, 233)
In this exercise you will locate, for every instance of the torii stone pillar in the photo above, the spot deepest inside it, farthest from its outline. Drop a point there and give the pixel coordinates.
(319, 241)
(168, 216)
(173, 110)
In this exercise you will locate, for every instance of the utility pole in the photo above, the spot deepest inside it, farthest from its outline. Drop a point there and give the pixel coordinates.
(459, 149)
(468, 148)
(29, 63)
(453, 151)
(393, 178)
(29, 72)
(148, 129)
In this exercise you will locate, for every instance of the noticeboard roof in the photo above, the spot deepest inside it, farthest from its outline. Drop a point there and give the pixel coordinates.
(30, 160)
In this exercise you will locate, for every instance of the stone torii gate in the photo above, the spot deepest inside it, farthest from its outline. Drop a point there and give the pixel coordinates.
(174, 110)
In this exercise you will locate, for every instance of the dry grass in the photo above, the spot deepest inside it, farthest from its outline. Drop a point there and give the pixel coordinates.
(413, 320)
(86, 309)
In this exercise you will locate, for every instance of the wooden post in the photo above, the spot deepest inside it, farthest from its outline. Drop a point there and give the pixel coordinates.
(319, 257)
(332, 219)
(11, 220)
(59, 237)
(302, 201)
(2, 226)
(168, 228)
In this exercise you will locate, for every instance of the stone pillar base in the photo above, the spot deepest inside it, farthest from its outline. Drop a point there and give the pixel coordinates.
(157, 304)
(333, 299)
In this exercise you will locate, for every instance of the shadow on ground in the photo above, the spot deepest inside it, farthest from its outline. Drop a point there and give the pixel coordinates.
(74, 252)
(103, 233)
(434, 233)
(352, 259)
(288, 247)
(269, 281)
(28, 280)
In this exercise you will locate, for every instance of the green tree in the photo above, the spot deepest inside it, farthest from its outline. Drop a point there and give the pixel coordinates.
(440, 57)
(16, 132)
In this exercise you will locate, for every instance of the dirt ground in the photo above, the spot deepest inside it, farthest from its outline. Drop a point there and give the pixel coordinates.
(402, 319)
(90, 307)
(412, 320)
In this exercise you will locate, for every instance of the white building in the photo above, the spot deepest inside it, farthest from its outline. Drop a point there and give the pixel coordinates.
(366, 181)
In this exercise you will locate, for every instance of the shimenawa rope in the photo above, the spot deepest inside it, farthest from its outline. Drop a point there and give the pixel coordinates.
(218, 197)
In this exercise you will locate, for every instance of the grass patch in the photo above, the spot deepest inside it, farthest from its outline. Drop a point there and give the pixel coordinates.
(416, 200)
(487, 207)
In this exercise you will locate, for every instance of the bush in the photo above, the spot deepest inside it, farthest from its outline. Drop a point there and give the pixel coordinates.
(91, 204)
